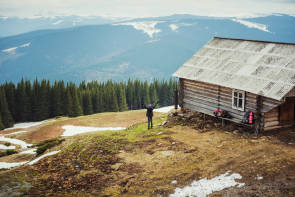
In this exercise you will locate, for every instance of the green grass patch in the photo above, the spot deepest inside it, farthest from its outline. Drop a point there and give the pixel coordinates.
(47, 144)
(7, 152)
(7, 144)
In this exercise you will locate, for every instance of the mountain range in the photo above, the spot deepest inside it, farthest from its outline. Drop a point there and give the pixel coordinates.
(118, 49)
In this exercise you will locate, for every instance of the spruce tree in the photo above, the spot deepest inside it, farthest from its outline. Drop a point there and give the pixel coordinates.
(122, 98)
(23, 106)
(68, 103)
(1, 124)
(153, 94)
(87, 103)
(7, 119)
(130, 94)
(146, 94)
(77, 109)
(56, 99)
(10, 97)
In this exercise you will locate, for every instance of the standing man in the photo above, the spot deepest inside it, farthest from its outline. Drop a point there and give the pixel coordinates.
(149, 114)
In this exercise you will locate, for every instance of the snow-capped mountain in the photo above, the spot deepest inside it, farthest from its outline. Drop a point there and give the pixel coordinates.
(140, 48)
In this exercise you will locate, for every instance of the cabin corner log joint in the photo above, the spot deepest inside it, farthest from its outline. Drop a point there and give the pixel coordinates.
(238, 76)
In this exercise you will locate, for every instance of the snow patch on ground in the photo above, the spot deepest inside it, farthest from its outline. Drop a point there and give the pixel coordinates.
(30, 151)
(25, 125)
(205, 186)
(249, 24)
(173, 27)
(23, 144)
(5, 165)
(259, 178)
(4, 147)
(174, 182)
(13, 49)
(41, 157)
(75, 130)
(164, 109)
(148, 27)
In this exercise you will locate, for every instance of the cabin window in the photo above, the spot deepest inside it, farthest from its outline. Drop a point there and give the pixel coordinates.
(238, 99)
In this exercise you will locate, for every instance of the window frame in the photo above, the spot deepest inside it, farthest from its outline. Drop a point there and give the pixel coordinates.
(238, 99)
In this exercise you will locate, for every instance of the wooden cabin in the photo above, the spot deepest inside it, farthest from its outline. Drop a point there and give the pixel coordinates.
(239, 75)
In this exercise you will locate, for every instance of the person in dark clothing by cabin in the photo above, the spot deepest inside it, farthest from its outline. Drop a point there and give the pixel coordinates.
(149, 114)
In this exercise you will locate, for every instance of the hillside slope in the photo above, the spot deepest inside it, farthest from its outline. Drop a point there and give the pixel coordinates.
(159, 162)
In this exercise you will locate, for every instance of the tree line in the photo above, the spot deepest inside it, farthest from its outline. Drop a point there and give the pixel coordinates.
(40, 100)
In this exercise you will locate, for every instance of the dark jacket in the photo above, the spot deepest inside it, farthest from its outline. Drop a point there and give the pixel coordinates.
(149, 110)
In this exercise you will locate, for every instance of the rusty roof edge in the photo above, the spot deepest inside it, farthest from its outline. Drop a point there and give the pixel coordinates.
(243, 39)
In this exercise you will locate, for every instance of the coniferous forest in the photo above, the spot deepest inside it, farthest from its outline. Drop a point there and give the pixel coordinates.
(39, 100)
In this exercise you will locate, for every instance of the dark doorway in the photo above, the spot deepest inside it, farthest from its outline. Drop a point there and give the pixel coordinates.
(287, 111)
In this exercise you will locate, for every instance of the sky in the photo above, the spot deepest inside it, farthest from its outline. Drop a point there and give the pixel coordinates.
(145, 8)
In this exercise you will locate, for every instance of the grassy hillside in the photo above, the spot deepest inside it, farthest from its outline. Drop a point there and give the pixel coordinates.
(142, 162)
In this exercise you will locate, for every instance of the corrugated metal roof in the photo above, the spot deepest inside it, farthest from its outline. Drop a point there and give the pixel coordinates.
(259, 67)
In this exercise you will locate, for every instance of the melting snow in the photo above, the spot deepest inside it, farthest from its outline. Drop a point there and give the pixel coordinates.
(5, 165)
(164, 109)
(148, 27)
(205, 186)
(4, 147)
(75, 130)
(15, 141)
(259, 178)
(13, 49)
(30, 151)
(41, 157)
(173, 27)
(252, 24)
(25, 125)
(174, 182)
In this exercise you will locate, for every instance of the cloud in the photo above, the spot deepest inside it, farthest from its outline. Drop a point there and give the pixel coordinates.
(144, 8)
(252, 24)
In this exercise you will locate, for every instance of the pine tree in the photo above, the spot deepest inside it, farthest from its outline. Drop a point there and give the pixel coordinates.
(56, 99)
(10, 95)
(122, 98)
(23, 106)
(1, 124)
(77, 109)
(28, 87)
(110, 99)
(137, 94)
(130, 94)
(35, 102)
(146, 94)
(97, 101)
(87, 103)
(7, 119)
(153, 94)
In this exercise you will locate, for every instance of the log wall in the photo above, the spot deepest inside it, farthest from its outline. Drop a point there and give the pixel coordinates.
(206, 98)
(271, 119)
